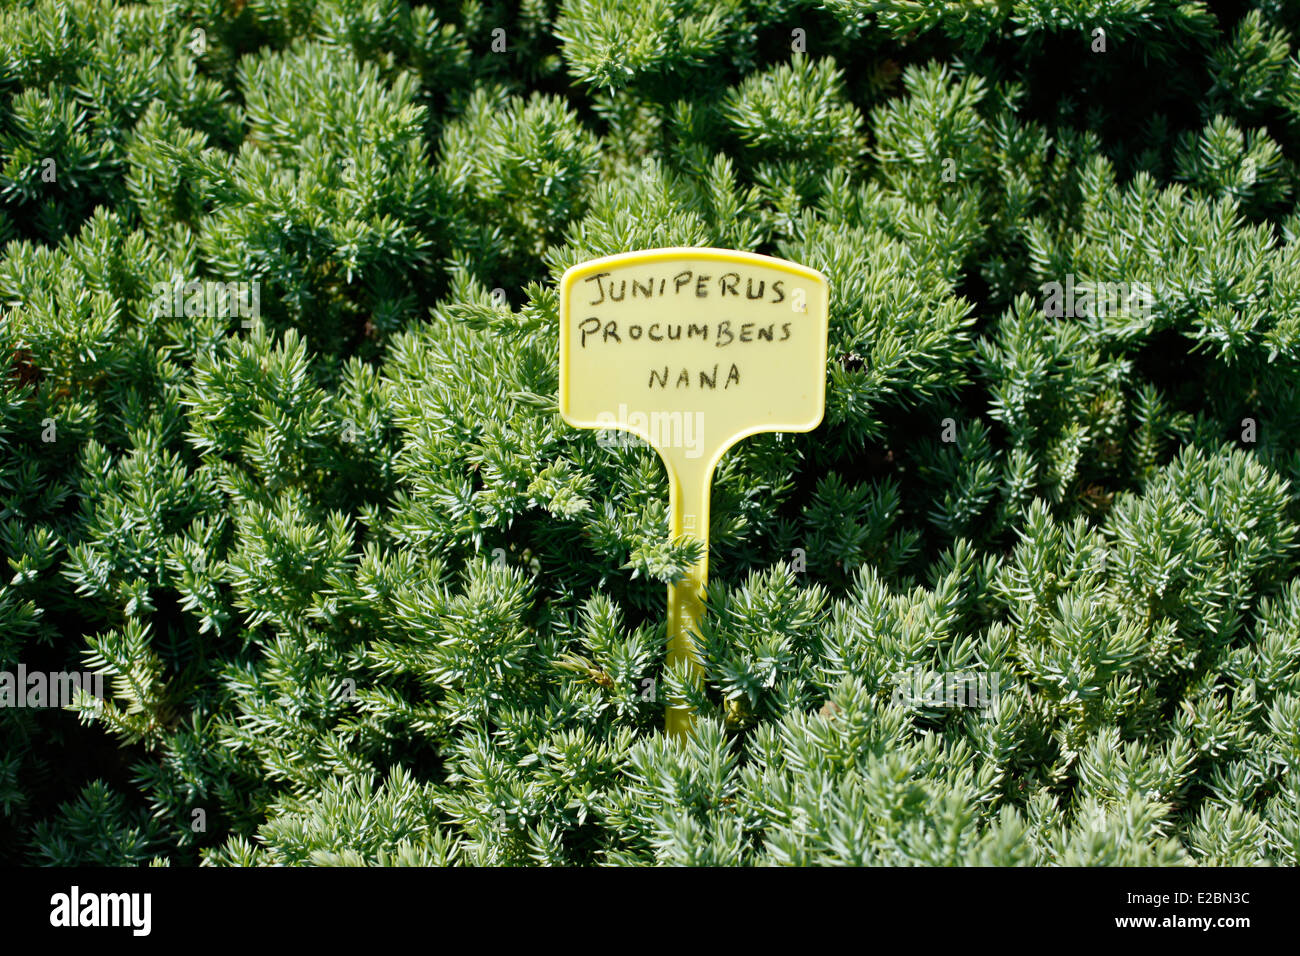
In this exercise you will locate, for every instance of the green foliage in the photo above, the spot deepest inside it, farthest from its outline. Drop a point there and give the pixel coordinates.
(615, 44)
(361, 597)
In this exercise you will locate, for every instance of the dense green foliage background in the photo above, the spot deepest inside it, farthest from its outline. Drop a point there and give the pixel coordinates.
(371, 488)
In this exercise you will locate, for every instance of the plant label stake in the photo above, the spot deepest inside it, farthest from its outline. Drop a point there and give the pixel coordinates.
(692, 350)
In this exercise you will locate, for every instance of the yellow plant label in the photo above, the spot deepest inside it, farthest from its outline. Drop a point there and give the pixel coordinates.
(692, 350)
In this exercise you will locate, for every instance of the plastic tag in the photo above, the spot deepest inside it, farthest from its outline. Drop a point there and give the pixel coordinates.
(692, 350)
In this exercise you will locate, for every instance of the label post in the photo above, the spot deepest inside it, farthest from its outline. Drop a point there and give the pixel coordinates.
(692, 350)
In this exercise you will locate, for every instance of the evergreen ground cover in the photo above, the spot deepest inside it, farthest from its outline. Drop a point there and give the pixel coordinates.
(280, 454)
